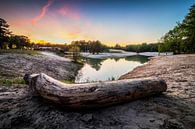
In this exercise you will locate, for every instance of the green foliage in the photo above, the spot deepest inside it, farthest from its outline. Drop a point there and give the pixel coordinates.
(8, 40)
(181, 39)
(19, 51)
(19, 41)
(4, 33)
(142, 48)
(137, 58)
(68, 81)
(90, 46)
(10, 82)
(75, 52)
(188, 27)
(95, 47)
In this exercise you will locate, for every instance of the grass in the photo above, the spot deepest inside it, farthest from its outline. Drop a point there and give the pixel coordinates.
(10, 82)
(68, 81)
(19, 51)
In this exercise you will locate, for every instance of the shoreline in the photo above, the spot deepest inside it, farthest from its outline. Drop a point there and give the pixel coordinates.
(178, 72)
(172, 109)
(122, 54)
(14, 65)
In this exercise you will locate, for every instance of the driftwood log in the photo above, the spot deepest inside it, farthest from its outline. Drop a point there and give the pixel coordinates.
(93, 95)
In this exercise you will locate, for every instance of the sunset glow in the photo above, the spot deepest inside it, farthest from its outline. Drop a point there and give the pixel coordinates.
(116, 21)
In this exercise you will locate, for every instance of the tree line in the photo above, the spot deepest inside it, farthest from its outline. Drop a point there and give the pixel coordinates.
(181, 39)
(94, 47)
(10, 40)
(144, 47)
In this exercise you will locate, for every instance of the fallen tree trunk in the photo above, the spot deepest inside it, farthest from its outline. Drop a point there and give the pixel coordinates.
(92, 95)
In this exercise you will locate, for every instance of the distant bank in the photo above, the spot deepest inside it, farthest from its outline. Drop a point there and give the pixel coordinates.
(122, 54)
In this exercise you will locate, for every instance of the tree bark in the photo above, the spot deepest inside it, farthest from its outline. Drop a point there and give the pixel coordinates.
(93, 95)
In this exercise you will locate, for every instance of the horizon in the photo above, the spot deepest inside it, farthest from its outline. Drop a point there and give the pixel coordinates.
(111, 22)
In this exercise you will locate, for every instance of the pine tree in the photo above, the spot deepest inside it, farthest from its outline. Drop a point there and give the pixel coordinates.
(4, 32)
(188, 26)
(182, 37)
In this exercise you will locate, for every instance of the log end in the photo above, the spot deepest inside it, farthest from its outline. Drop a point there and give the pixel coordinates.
(30, 79)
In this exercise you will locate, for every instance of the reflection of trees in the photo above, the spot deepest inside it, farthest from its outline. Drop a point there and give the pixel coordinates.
(138, 58)
(94, 63)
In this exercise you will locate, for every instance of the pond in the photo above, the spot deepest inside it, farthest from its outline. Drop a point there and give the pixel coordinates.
(107, 69)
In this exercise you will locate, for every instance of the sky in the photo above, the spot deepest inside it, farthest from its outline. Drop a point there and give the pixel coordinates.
(110, 21)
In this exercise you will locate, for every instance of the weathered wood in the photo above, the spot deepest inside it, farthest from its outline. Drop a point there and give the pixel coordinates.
(92, 95)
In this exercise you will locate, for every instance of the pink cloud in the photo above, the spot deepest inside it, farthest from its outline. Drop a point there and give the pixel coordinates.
(43, 12)
(69, 12)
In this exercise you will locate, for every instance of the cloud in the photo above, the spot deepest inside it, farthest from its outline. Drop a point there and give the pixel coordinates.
(69, 12)
(43, 12)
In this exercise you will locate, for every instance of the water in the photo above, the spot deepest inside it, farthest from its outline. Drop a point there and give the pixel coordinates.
(107, 69)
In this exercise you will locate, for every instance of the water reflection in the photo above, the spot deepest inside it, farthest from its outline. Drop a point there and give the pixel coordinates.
(141, 59)
(107, 69)
(94, 63)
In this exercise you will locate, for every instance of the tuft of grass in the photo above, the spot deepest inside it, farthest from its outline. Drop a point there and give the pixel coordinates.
(68, 81)
(19, 51)
(9, 82)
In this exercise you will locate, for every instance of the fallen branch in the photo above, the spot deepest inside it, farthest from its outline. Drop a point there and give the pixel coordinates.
(93, 95)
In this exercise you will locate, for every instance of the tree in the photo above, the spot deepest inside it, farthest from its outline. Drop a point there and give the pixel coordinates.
(181, 39)
(90, 46)
(4, 32)
(144, 47)
(75, 52)
(117, 46)
(188, 27)
(20, 41)
(8, 39)
(173, 40)
(82, 44)
(95, 47)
